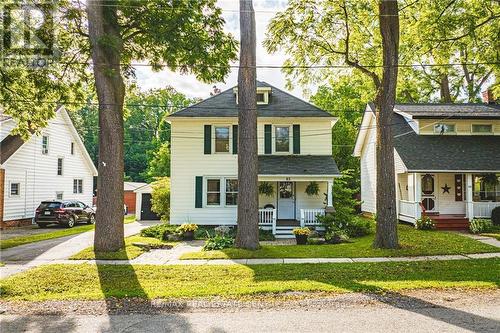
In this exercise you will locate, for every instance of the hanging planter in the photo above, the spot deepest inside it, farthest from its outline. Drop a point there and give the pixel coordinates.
(266, 188)
(312, 189)
(490, 179)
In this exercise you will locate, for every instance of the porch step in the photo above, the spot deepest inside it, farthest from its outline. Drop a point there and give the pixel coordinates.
(284, 232)
(450, 222)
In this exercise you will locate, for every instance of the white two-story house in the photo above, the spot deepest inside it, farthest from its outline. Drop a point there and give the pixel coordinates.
(447, 161)
(51, 165)
(295, 157)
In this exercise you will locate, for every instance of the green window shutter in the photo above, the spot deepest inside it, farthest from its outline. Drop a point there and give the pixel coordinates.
(268, 130)
(235, 139)
(208, 139)
(296, 139)
(198, 200)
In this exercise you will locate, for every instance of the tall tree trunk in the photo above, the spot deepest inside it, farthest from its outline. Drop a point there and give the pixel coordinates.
(248, 198)
(106, 43)
(445, 89)
(387, 232)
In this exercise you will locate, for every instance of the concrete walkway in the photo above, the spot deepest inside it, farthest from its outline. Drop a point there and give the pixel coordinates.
(483, 239)
(23, 257)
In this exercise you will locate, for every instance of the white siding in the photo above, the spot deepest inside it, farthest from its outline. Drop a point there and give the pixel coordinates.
(305, 201)
(368, 171)
(37, 173)
(6, 127)
(188, 161)
(446, 203)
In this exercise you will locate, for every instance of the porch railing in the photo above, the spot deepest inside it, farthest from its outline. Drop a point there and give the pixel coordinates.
(267, 218)
(483, 209)
(408, 208)
(308, 217)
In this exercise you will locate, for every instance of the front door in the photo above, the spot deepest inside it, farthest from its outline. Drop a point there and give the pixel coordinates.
(286, 201)
(428, 182)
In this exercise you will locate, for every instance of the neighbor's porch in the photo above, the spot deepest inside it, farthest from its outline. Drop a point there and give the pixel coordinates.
(453, 198)
(290, 202)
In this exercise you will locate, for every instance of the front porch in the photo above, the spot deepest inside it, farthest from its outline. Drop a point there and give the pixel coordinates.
(450, 199)
(289, 204)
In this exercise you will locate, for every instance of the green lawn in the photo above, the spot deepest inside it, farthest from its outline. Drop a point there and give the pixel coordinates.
(129, 252)
(413, 243)
(150, 281)
(7, 243)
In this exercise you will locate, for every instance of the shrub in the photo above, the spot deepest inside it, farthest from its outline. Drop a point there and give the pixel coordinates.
(186, 227)
(478, 226)
(352, 226)
(358, 227)
(218, 243)
(158, 231)
(336, 237)
(204, 232)
(160, 198)
(315, 241)
(425, 223)
(266, 235)
(495, 216)
(302, 231)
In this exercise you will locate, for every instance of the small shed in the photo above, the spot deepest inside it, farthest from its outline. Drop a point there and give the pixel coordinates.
(143, 204)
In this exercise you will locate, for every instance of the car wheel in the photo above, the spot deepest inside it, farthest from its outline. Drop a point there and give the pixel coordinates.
(71, 222)
(91, 219)
(42, 225)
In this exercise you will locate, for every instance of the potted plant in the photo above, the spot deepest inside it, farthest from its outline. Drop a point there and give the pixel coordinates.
(187, 230)
(301, 235)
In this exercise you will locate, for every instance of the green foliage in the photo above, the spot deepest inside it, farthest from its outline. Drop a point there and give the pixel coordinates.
(495, 216)
(266, 235)
(159, 165)
(160, 198)
(352, 227)
(158, 231)
(425, 223)
(218, 243)
(478, 226)
(266, 188)
(312, 189)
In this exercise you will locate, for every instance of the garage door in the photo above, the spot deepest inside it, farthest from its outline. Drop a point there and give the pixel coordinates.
(146, 212)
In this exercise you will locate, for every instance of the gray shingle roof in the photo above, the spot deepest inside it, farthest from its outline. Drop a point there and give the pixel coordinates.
(297, 165)
(456, 111)
(281, 104)
(445, 152)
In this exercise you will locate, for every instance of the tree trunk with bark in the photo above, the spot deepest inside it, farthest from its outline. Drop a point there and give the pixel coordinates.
(387, 232)
(248, 198)
(445, 89)
(106, 43)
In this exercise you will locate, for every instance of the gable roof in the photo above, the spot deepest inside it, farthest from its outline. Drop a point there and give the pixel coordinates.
(12, 143)
(281, 104)
(480, 153)
(449, 111)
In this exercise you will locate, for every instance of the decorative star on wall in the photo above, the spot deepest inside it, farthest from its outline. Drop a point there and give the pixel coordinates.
(446, 188)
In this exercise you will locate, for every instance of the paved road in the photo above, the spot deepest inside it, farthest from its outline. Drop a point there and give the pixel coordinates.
(22, 257)
(409, 314)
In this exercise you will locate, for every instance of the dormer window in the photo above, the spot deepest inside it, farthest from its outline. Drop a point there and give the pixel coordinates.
(261, 98)
(444, 128)
(482, 128)
(263, 95)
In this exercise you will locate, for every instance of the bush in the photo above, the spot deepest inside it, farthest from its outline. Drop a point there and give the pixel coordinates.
(425, 223)
(186, 227)
(351, 226)
(478, 226)
(315, 241)
(159, 231)
(160, 198)
(266, 235)
(359, 227)
(218, 243)
(336, 237)
(495, 216)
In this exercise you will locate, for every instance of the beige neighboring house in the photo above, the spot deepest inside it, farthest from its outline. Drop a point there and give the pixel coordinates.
(447, 161)
(51, 165)
(294, 147)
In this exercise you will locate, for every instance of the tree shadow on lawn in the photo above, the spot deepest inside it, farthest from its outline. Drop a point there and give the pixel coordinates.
(344, 276)
(116, 282)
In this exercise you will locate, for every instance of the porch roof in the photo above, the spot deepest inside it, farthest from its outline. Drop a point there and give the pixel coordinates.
(474, 153)
(298, 165)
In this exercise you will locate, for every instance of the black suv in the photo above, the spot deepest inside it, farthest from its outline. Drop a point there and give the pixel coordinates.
(65, 212)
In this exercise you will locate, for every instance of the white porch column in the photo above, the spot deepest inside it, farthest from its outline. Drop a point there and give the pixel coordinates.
(329, 200)
(417, 194)
(469, 207)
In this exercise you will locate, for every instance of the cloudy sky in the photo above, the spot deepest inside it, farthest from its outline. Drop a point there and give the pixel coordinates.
(187, 84)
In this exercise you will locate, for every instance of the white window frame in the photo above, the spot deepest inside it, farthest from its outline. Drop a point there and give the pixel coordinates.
(481, 133)
(445, 133)
(221, 191)
(18, 189)
(62, 166)
(59, 193)
(79, 186)
(290, 139)
(226, 191)
(45, 146)
(214, 140)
